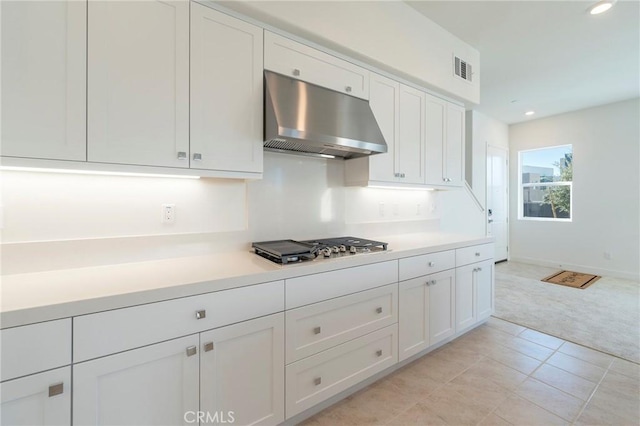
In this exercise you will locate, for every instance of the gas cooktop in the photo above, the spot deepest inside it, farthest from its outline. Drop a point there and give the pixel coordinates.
(287, 251)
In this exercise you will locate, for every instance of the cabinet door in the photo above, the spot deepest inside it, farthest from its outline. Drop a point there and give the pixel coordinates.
(243, 371)
(154, 385)
(413, 321)
(44, 79)
(385, 103)
(466, 311)
(39, 399)
(409, 152)
(442, 305)
(454, 146)
(226, 92)
(484, 289)
(138, 88)
(435, 118)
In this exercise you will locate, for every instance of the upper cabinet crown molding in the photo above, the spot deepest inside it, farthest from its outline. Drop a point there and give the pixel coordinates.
(44, 79)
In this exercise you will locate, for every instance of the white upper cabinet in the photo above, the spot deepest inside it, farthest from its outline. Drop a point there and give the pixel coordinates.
(301, 62)
(445, 143)
(226, 92)
(138, 85)
(400, 113)
(410, 147)
(44, 79)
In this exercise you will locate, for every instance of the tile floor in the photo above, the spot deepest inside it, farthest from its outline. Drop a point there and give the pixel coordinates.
(498, 374)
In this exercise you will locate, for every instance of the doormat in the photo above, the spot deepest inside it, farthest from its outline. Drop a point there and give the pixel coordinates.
(572, 279)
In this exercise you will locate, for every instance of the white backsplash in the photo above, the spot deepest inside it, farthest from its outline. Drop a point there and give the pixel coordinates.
(54, 221)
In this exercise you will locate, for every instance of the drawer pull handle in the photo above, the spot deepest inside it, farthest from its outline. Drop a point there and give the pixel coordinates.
(208, 347)
(479, 269)
(379, 310)
(348, 89)
(197, 156)
(477, 254)
(201, 314)
(317, 330)
(56, 389)
(379, 352)
(317, 381)
(182, 155)
(432, 264)
(192, 350)
(296, 72)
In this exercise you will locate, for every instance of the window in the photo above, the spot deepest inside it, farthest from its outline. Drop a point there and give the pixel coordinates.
(546, 177)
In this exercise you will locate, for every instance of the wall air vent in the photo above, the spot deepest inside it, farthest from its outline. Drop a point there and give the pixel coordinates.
(462, 69)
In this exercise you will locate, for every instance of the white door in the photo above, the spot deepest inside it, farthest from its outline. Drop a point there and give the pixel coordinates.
(409, 151)
(442, 306)
(226, 92)
(138, 82)
(465, 296)
(243, 371)
(454, 146)
(153, 385)
(385, 103)
(44, 79)
(498, 200)
(413, 319)
(435, 139)
(39, 399)
(484, 289)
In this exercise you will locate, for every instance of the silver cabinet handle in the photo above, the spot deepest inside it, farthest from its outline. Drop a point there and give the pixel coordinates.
(379, 310)
(348, 89)
(479, 269)
(197, 156)
(477, 254)
(192, 350)
(56, 389)
(402, 175)
(182, 155)
(208, 347)
(296, 72)
(433, 282)
(379, 352)
(490, 220)
(201, 314)
(317, 330)
(317, 381)
(432, 264)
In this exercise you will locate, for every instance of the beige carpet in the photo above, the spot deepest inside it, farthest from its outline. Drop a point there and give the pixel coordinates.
(604, 316)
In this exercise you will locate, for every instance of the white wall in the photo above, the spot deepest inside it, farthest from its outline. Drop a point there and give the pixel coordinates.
(606, 182)
(460, 211)
(388, 34)
(54, 220)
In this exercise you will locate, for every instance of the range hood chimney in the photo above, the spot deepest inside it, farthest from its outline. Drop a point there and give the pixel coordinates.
(307, 119)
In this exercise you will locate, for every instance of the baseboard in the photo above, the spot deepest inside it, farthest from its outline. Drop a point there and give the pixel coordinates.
(578, 268)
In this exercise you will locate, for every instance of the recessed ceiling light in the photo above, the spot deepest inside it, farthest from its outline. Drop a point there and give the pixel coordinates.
(601, 6)
(529, 113)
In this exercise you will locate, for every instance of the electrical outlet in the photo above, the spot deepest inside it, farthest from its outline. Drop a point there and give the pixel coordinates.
(381, 209)
(168, 213)
(432, 208)
(418, 209)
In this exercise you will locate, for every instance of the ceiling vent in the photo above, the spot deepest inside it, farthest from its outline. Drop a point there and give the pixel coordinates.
(462, 69)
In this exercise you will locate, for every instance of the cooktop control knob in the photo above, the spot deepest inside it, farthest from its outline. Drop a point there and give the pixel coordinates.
(342, 249)
(326, 252)
(335, 249)
(353, 250)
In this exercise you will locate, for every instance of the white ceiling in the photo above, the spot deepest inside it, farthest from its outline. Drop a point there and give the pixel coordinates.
(548, 56)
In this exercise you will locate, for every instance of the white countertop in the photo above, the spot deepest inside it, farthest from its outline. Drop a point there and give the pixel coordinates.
(43, 296)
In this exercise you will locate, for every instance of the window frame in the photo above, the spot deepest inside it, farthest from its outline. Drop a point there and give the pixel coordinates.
(521, 187)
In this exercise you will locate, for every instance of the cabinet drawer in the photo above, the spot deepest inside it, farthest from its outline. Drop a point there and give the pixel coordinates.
(103, 333)
(467, 255)
(296, 60)
(327, 285)
(416, 266)
(314, 379)
(33, 348)
(320, 326)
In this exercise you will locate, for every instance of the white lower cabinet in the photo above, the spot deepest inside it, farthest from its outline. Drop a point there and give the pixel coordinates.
(323, 375)
(242, 372)
(39, 399)
(153, 385)
(474, 293)
(426, 312)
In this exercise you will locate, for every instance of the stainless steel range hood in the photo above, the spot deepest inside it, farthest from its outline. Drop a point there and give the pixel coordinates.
(307, 119)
